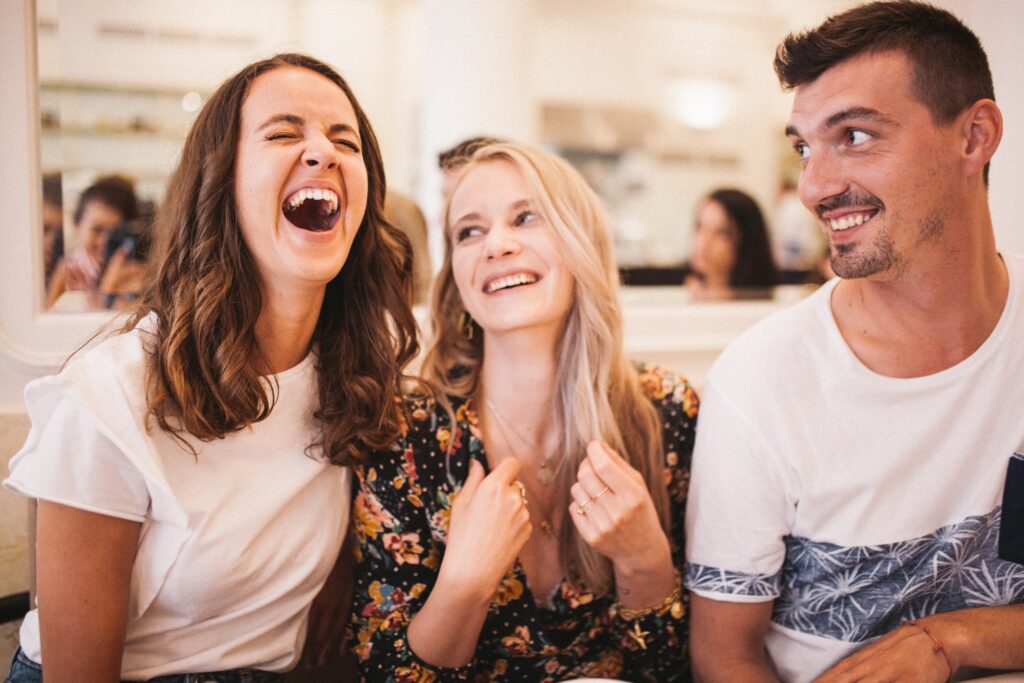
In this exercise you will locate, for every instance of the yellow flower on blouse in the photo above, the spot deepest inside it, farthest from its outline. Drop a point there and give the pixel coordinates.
(509, 589)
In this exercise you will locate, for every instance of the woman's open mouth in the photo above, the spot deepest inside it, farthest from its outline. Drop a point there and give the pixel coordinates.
(314, 209)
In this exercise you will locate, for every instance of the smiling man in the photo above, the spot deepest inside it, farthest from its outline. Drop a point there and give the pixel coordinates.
(855, 469)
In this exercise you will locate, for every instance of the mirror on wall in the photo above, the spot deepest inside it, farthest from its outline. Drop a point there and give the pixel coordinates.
(657, 103)
(120, 83)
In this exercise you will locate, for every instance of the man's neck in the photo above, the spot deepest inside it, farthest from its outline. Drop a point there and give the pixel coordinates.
(928, 318)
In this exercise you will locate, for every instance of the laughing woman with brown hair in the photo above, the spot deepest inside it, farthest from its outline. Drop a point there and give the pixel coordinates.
(190, 470)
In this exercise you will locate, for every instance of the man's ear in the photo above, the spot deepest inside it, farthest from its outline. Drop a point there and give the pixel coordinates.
(981, 130)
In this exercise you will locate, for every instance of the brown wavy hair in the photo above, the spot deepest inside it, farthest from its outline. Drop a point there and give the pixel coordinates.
(205, 293)
(598, 390)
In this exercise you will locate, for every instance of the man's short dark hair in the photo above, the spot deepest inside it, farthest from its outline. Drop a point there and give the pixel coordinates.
(951, 70)
(453, 158)
(115, 191)
(53, 192)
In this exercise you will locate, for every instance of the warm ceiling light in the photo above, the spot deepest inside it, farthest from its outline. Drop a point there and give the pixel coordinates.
(703, 103)
(191, 102)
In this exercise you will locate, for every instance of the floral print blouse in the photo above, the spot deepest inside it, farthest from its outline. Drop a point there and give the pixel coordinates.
(400, 517)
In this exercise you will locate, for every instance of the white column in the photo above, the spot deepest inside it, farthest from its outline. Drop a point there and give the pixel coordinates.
(357, 38)
(475, 81)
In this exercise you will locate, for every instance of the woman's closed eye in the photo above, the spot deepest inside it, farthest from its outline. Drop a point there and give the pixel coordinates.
(343, 142)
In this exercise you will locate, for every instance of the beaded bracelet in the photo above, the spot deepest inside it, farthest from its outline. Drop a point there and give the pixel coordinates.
(672, 603)
(937, 645)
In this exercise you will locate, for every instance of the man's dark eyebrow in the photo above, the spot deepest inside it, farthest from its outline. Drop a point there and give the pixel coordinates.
(845, 115)
(294, 120)
(856, 113)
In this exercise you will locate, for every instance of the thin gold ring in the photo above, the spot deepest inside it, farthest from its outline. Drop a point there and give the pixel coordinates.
(581, 508)
(603, 491)
(522, 489)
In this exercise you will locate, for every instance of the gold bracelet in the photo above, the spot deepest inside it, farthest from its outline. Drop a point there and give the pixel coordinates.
(671, 603)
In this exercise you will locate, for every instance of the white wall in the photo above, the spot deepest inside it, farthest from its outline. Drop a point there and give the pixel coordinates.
(998, 23)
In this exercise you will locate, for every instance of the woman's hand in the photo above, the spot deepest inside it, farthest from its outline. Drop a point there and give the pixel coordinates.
(489, 526)
(614, 513)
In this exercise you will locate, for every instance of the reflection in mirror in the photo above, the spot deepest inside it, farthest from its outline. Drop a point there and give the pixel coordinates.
(106, 146)
(656, 103)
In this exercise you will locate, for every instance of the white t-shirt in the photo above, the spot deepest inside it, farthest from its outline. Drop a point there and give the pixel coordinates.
(853, 500)
(235, 541)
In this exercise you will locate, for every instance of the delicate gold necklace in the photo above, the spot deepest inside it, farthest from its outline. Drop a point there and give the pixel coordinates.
(545, 522)
(545, 473)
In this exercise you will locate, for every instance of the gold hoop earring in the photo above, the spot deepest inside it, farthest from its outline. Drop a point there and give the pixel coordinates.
(465, 325)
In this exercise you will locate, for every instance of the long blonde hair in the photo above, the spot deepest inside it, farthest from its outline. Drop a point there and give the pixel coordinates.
(598, 393)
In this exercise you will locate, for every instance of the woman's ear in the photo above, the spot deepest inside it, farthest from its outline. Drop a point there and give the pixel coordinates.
(981, 130)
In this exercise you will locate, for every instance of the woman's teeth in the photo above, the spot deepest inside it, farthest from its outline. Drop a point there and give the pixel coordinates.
(509, 281)
(310, 193)
(314, 209)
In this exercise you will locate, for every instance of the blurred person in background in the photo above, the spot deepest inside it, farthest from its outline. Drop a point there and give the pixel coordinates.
(729, 250)
(53, 225)
(451, 161)
(127, 261)
(404, 214)
(102, 208)
(797, 242)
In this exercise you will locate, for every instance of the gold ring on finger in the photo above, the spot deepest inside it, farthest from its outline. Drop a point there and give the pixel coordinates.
(603, 491)
(581, 508)
(522, 489)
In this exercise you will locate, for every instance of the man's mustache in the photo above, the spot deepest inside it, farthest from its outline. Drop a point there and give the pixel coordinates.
(848, 199)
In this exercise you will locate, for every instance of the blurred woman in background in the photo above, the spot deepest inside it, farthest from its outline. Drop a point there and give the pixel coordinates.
(730, 250)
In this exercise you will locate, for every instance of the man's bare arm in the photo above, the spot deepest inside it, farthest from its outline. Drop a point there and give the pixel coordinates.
(983, 637)
(727, 641)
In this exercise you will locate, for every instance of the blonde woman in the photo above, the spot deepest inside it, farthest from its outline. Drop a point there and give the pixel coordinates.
(528, 526)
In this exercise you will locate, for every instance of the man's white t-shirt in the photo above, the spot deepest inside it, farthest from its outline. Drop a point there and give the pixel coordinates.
(236, 540)
(853, 500)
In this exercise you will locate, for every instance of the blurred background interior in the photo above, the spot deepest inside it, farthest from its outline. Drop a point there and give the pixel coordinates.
(657, 102)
